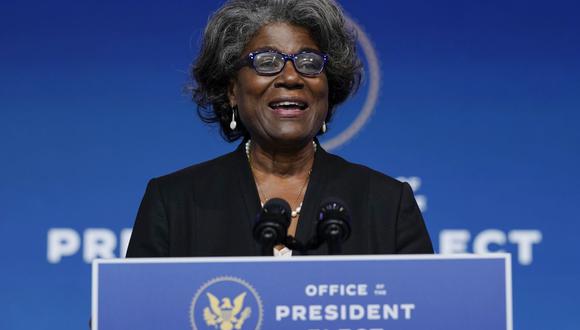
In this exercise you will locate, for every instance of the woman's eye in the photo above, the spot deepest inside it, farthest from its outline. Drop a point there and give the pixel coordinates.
(309, 63)
(268, 62)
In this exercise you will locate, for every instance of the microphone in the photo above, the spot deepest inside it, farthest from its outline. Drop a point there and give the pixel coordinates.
(272, 224)
(333, 224)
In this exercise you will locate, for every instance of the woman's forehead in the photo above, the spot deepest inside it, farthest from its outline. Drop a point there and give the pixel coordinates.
(283, 37)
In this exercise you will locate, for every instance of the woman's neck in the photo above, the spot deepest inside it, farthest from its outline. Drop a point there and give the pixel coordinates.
(281, 162)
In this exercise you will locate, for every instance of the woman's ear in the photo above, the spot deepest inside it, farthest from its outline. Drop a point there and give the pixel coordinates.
(232, 92)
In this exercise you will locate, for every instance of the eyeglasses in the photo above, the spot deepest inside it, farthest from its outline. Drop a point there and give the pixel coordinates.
(270, 62)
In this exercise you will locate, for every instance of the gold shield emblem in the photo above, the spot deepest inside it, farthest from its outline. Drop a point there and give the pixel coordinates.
(226, 303)
(225, 315)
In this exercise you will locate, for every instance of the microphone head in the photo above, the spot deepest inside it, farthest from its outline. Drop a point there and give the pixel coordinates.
(277, 209)
(333, 219)
(273, 221)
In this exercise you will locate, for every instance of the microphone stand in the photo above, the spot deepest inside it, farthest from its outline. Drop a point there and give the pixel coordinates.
(334, 237)
(267, 240)
(295, 245)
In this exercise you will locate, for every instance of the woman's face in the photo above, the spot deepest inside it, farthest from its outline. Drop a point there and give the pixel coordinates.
(258, 97)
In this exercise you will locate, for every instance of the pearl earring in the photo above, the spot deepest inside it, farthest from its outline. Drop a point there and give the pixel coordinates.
(324, 127)
(233, 123)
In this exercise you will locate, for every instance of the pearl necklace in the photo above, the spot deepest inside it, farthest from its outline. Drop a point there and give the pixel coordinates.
(296, 212)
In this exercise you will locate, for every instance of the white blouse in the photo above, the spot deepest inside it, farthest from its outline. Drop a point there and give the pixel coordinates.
(284, 253)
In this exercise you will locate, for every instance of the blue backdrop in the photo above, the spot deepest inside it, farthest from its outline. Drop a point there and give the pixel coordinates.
(477, 107)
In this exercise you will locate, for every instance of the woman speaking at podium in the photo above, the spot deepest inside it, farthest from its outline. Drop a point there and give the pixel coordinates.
(272, 74)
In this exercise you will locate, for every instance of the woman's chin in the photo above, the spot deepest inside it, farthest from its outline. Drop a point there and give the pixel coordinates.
(290, 138)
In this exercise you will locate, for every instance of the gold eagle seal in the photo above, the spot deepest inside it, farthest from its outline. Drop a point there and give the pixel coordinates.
(219, 311)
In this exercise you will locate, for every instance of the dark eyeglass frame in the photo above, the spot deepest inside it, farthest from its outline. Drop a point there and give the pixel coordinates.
(287, 57)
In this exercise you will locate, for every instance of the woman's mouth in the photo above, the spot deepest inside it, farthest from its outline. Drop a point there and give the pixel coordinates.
(288, 109)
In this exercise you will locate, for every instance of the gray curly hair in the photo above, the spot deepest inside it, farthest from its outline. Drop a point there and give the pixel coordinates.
(237, 21)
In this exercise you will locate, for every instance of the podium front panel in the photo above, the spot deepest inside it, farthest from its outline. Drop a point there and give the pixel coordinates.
(333, 293)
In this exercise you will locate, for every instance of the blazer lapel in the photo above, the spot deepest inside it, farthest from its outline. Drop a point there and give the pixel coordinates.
(247, 189)
(313, 197)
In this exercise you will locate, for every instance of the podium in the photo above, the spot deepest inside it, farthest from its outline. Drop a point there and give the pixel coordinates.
(467, 292)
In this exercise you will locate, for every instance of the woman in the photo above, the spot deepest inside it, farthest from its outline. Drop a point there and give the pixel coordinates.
(272, 73)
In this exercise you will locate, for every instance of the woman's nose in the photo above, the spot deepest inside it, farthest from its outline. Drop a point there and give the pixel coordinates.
(289, 77)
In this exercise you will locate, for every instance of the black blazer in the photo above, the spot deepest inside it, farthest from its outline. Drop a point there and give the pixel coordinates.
(209, 210)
